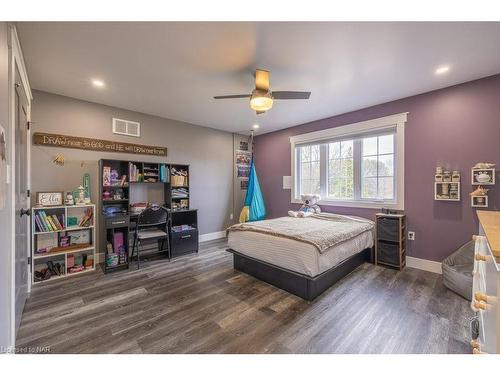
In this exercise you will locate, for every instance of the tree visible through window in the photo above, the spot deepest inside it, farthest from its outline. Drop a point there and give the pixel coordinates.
(341, 170)
(377, 167)
(309, 169)
(353, 165)
(359, 169)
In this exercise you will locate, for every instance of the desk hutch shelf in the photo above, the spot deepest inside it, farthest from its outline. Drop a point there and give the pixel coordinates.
(120, 180)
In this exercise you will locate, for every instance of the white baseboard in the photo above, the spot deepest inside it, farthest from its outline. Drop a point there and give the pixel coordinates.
(212, 236)
(424, 264)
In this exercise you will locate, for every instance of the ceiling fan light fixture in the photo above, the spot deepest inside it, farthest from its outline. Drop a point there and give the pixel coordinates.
(261, 100)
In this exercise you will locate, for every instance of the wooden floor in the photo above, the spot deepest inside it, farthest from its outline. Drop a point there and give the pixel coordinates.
(199, 304)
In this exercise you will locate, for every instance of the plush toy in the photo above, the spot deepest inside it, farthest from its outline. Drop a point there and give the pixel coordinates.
(309, 206)
(483, 166)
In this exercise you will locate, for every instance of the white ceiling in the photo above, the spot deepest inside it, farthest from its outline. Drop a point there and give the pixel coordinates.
(173, 69)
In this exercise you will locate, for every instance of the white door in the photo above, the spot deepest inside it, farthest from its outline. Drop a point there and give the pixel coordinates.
(22, 209)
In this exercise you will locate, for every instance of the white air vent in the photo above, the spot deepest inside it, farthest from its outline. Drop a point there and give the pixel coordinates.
(126, 127)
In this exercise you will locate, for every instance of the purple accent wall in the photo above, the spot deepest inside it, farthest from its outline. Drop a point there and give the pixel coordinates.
(455, 127)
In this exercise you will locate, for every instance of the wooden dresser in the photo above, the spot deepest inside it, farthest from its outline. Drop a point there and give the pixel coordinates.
(486, 283)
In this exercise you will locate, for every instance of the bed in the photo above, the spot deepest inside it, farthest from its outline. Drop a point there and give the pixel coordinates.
(304, 256)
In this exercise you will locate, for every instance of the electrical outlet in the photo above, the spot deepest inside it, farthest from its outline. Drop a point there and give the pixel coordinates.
(231, 217)
(411, 236)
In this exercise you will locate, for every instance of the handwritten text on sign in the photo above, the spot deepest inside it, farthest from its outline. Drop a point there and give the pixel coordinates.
(90, 144)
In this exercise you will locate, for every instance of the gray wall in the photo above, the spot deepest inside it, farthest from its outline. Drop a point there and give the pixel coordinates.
(5, 214)
(209, 153)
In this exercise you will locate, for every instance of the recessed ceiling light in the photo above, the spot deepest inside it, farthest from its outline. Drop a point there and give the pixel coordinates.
(255, 126)
(442, 69)
(98, 83)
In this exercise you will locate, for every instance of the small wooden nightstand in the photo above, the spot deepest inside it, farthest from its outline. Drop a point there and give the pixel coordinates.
(390, 242)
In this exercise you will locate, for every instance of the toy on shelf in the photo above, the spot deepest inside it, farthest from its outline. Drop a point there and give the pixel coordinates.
(69, 201)
(479, 197)
(484, 166)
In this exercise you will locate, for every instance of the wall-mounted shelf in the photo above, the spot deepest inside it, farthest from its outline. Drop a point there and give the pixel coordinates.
(479, 201)
(447, 191)
(483, 176)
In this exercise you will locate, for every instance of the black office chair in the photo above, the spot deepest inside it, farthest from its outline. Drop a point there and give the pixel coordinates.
(152, 224)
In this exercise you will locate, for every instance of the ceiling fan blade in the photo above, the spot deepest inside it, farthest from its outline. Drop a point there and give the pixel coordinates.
(262, 80)
(291, 94)
(232, 96)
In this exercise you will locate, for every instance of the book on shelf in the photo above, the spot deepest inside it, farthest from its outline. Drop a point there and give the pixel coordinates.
(39, 226)
(40, 215)
(86, 220)
(52, 224)
(162, 173)
(106, 176)
(48, 223)
(45, 243)
(57, 222)
(134, 173)
(47, 226)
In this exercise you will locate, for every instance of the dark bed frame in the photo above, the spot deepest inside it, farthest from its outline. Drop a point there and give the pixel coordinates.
(306, 287)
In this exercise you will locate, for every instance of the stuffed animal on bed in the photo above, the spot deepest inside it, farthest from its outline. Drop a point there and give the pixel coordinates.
(309, 206)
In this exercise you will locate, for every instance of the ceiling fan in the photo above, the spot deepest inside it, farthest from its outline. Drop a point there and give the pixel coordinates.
(261, 98)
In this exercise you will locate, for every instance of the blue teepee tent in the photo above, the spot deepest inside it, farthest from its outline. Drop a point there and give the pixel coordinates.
(254, 207)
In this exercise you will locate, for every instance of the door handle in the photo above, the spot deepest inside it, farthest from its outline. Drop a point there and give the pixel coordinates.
(24, 212)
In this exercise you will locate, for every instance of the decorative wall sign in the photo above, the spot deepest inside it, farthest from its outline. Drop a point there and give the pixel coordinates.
(50, 198)
(90, 144)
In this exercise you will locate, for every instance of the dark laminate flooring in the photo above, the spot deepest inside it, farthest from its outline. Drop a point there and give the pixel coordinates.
(199, 304)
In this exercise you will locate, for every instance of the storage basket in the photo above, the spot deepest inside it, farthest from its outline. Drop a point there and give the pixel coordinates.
(178, 180)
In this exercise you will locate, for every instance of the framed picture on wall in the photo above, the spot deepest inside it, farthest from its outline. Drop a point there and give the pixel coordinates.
(47, 199)
(483, 176)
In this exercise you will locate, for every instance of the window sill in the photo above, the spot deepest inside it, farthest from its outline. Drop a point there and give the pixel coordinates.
(357, 204)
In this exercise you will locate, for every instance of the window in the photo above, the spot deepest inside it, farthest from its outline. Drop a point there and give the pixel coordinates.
(359, 165)
(341, 170)
(377, 167)
(310, 169)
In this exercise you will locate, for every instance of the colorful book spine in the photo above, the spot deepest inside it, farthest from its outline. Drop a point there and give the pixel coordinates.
(52, 224)
(39, 225)
(44, 221)
(57, 222)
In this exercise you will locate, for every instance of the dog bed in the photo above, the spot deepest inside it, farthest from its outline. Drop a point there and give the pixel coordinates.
(457, 270)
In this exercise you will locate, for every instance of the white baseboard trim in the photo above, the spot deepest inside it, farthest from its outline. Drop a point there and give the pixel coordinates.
(212, 236)
(424, 264)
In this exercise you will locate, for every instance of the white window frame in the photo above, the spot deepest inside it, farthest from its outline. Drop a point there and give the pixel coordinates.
(356, 129)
